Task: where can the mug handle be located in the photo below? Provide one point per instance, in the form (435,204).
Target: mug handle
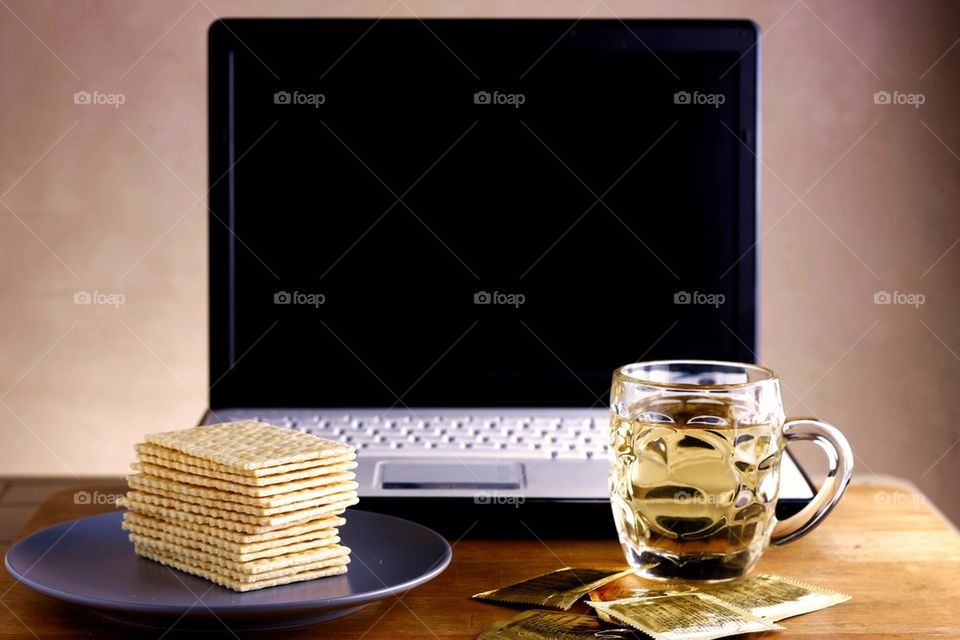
(840,457)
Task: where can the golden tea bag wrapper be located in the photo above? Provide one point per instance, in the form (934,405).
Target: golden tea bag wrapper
(765,596)
(775,598)
(537,624)
(685,616)
(559,589)
(633,586)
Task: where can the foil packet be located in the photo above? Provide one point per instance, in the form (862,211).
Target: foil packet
(560,589)
(683,616)
(765,596)
(537,624)
(774,597)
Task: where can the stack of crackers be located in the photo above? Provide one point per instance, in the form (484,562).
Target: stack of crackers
(246,505)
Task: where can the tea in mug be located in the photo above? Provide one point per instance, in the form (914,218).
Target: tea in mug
(694,484)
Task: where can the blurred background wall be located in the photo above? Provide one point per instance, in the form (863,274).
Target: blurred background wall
(860,196)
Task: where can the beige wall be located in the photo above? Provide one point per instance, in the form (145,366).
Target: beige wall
(110,200)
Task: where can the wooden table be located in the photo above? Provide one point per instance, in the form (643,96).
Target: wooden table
(884,545)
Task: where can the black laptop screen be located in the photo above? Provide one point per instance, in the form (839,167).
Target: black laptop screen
(454,214)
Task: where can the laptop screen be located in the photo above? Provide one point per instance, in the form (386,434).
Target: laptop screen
(481,213)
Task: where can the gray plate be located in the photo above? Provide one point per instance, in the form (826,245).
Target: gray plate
(91,563)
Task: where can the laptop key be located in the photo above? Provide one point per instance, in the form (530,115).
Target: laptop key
(571,455)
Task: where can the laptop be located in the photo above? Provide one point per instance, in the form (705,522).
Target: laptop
(436,239)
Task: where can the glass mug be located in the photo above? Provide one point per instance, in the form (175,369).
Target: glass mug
(695,467)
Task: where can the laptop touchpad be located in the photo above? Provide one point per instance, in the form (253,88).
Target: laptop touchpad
(469,475)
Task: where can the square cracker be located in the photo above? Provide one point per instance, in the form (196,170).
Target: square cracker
(232,551)
(147,536)
(211,572)
(249,444)
(234,502)
(167,508)
(234,539)
(329,466)
(333,477)
(253,474)
(265,566)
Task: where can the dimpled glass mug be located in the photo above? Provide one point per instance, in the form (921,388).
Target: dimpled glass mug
(695,467)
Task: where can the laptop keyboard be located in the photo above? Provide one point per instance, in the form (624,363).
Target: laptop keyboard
(501,437)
